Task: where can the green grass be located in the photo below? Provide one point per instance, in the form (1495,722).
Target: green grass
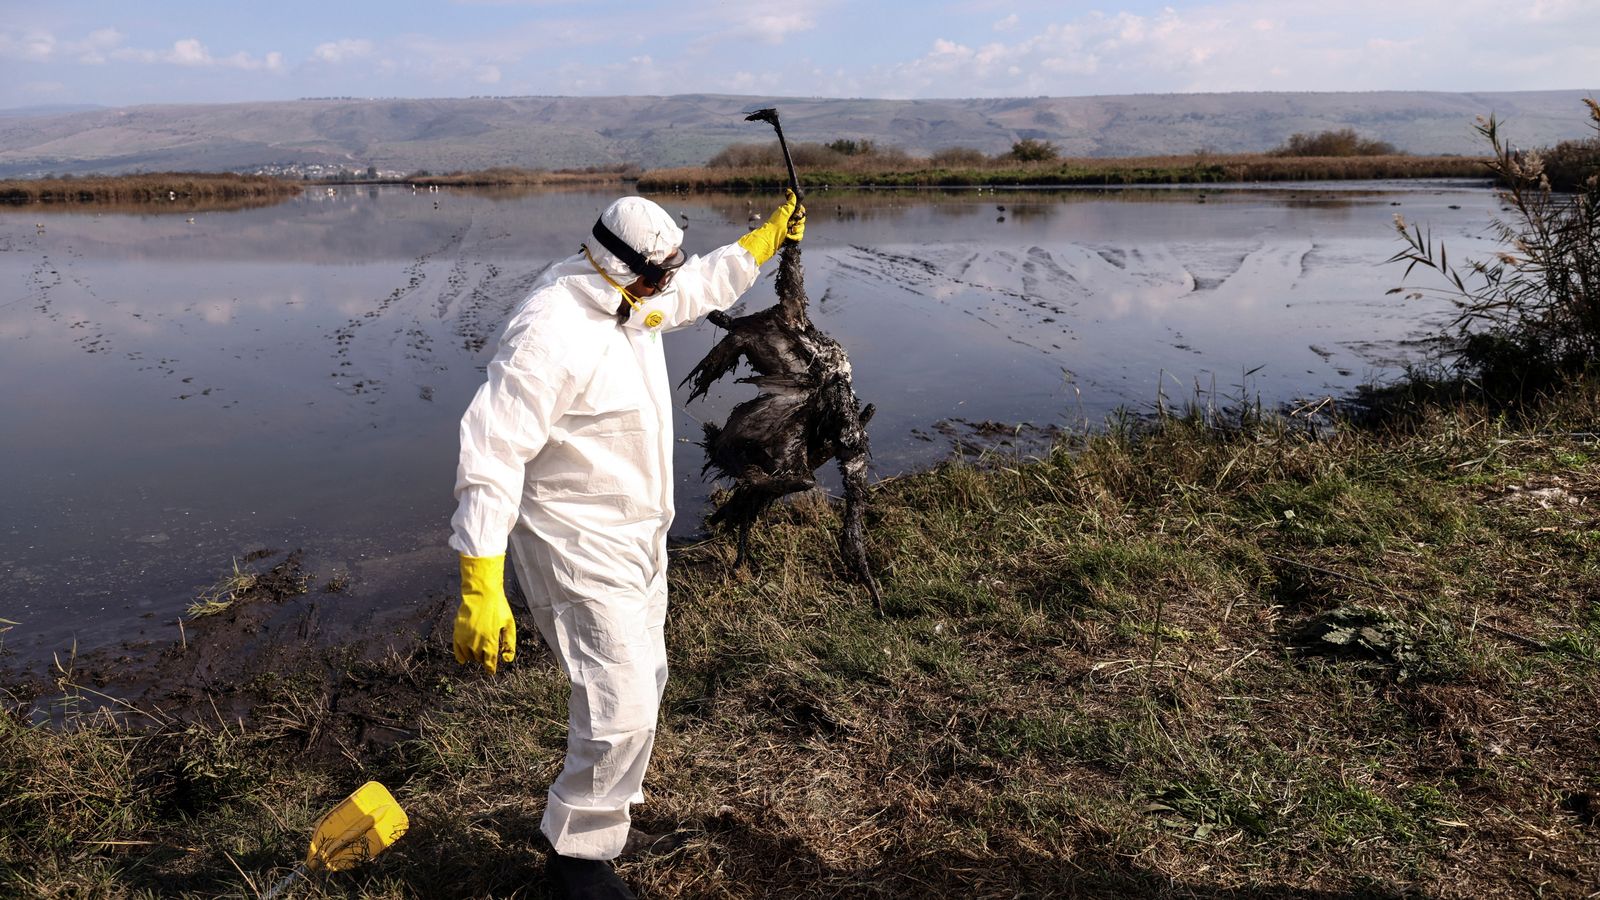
(1084,683)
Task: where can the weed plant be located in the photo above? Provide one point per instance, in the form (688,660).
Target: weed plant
(1530,316)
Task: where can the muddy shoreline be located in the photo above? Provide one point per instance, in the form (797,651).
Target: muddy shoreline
(371,654)
(284,640)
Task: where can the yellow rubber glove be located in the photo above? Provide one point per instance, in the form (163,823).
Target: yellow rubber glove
(485,631)
(788,221)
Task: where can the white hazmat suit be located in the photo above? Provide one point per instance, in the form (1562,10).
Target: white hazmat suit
(566,453)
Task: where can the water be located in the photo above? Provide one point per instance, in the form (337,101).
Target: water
(180,393)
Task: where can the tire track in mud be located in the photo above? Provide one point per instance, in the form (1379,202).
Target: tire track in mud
(49,275)
(94,339)
(485,309)
(1063,290)
(43,278)
(1037,306)
(472,301)
(344,336)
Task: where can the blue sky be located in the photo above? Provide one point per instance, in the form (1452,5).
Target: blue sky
(118,53)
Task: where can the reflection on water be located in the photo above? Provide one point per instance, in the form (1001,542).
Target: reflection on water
(179,393)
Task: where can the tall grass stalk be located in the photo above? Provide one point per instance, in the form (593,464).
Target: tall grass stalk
(1530,316)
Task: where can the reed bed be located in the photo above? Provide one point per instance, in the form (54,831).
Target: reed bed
(154,188)
(514,177)
(1190,169)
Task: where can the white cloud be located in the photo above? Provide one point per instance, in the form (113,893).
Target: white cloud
(342,50)
(191,53)
(1264,45)
(92,49)
(456,62)
(767,24)
(772,28)
(106,44)
(42,46)
(33,46)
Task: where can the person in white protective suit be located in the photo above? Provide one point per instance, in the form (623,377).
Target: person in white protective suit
(566,454)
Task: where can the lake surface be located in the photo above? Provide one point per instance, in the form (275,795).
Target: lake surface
(181,392)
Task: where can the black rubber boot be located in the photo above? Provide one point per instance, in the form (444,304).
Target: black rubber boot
(584,879)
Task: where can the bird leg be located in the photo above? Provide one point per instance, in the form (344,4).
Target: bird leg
(743,556)
(853,452)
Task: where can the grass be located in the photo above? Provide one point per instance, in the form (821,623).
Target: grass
(1087,684)
(220,597)
(244,586)
(1188,169)
(184,188)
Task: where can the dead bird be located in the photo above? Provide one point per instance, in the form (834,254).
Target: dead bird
(805,414)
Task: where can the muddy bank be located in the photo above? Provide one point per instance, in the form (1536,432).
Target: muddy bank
(358,662)
(365,653)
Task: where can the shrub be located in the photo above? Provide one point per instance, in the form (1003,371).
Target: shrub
(845,147)
(766,154)
(1032,150)
(1570,163)
(840,155)
(743,156)
(958,157)
(1340,142)
(1531,316)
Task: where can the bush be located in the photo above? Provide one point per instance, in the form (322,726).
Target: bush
(958,157)
(1531,317)
(1570,163)
(767,154)
(845,147)
(1341,142)
(1031,150)
(838,155)
(743,156)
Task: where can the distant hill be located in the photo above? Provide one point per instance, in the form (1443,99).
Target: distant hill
(47,110)
(556,132)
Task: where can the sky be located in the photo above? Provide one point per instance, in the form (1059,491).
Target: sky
(124,52)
